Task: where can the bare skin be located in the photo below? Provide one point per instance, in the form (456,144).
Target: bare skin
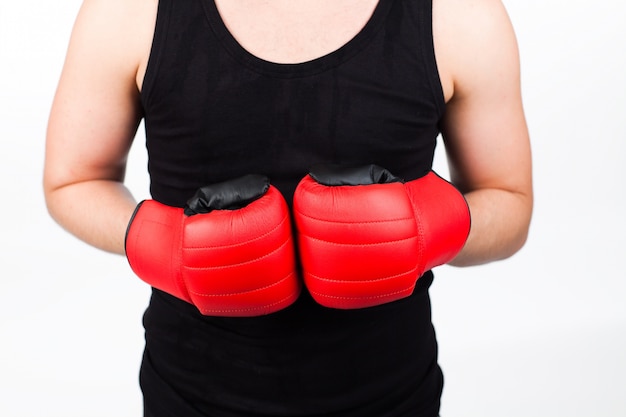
(95,113)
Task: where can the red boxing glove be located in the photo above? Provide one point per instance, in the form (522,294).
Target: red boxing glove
(230,252)
(365,237)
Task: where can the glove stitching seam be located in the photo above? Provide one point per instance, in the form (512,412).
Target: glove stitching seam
(363,297)
(388,277)
(384,242)
(263,307)
(234,245)
(352,222)
(290,274)
(209,268)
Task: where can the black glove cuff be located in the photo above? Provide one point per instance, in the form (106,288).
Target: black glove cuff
(228,195)
(337,175)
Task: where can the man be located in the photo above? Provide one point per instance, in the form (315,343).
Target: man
(239,87)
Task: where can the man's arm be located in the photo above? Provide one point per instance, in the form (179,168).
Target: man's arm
(93,120)
(484,128)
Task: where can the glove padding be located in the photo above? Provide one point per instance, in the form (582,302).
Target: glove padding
(229,252)
(365,237)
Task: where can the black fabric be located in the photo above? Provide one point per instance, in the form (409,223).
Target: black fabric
(215,112)
(306,360)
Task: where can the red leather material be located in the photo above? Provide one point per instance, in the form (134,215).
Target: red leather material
(152,247)
(226,262)
(365,245)
(444,218)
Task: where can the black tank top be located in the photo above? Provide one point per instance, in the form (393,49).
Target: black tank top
(212,112)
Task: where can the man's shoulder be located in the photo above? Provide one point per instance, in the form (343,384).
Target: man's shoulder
(116,34)
(472,39)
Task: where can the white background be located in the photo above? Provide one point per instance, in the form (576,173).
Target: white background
(541,334)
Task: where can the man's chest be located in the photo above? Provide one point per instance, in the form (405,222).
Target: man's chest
(294,31)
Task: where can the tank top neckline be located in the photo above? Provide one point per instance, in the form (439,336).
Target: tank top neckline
(299,69)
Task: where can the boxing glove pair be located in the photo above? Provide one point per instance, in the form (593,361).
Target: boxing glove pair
(364,238)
